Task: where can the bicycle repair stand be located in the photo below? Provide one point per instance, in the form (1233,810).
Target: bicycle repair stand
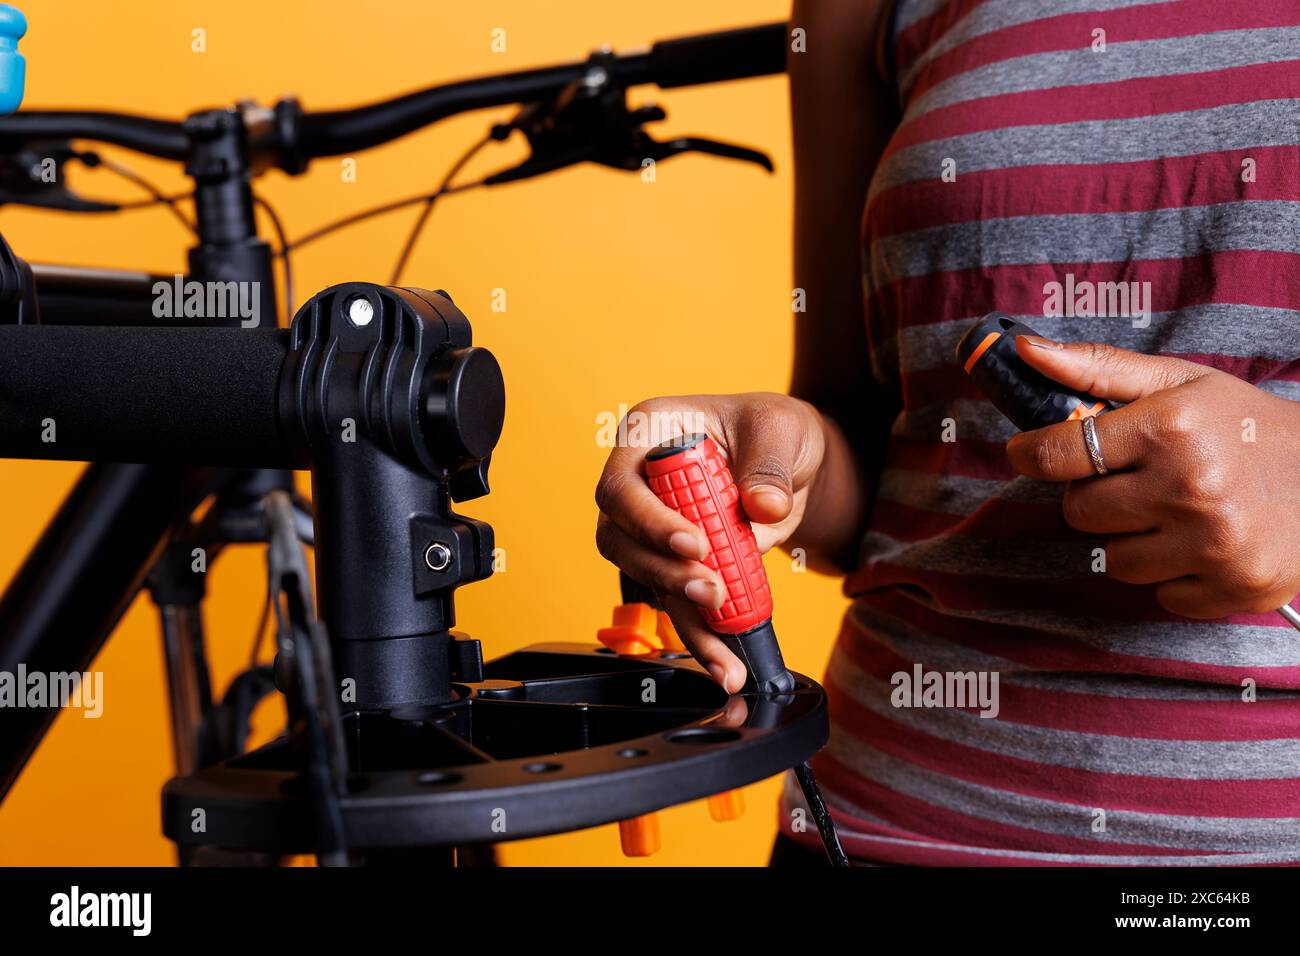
(402,743)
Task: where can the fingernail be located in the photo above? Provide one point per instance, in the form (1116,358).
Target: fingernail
(777,495)
(1038,342)
(704,592)
(687,545)
(719,674)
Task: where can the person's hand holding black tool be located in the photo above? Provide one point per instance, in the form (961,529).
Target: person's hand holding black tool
(1201,469)
(1185,478)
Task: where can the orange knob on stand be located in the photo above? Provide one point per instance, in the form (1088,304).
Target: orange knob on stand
(632,631)
(727,806)
(640,835)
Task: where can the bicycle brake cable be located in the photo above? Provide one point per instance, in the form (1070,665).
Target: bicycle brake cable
(283,252)
(93,160)
(423,218)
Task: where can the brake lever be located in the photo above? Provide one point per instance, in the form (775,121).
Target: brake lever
(27,180)
(712,147)
(590,121)
(629,160)
(538,166)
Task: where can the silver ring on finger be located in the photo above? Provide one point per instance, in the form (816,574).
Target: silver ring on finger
(1094,447)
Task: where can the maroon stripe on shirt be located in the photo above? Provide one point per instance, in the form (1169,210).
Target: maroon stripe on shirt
(943,383)
(968,458)
(1120,100)
(921,818)
(871,839)
(918,37)
(1267,798)
(1035,649)
(969,593)
(1073,31)
(1160,719)
(1252,368)
(996,519)
(1239,277)
(1203,179)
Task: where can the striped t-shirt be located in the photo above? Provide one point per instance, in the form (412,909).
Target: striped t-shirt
(1074,142)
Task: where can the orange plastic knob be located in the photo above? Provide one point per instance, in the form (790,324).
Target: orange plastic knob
(633,630)
(727,806)
(640,835)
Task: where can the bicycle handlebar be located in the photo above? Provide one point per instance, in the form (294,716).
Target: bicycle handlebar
(144,134)
(336,132)
(684,61)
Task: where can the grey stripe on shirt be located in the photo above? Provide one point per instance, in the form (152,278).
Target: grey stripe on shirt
(1141,139)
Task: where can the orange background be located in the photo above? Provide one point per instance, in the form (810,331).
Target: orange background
(617,290)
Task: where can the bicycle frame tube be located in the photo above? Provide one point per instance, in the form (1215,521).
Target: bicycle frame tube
(83,573)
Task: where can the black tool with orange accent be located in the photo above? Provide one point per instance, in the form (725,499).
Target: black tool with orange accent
(987,353)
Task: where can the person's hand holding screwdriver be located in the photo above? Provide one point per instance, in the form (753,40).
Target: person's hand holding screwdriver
(777,447)
(1202,480)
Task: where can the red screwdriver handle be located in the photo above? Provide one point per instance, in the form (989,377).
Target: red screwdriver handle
(693,479)
(690,475)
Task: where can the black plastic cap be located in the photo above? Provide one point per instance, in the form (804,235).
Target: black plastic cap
(995,323)
(674,445)
(761,655)
(987,352)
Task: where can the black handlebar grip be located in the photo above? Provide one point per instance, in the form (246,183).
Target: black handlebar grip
(987,353)
(198,396)
(714,57)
